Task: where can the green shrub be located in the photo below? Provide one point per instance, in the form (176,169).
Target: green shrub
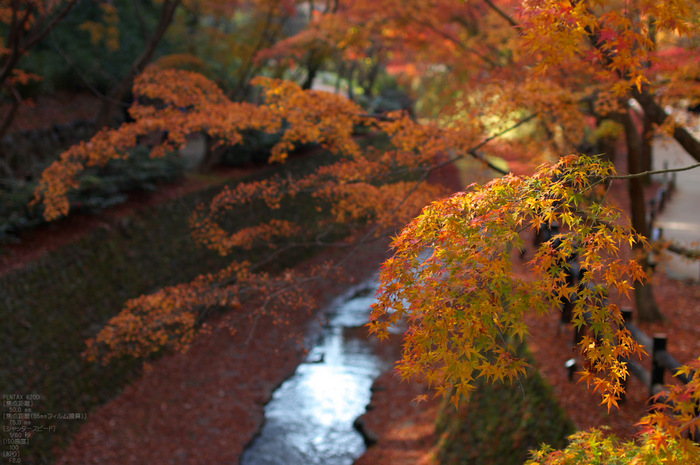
(69,59)
(502,423)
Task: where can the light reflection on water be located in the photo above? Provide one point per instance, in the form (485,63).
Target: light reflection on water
(309,419)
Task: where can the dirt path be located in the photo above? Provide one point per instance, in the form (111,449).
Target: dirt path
(680,219)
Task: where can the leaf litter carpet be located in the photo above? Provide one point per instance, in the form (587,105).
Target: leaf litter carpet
(205,406)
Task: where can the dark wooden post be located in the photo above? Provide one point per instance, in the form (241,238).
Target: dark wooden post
(657,369)
(651,214)
(626,315)
(662,197)
(571,368)
(566,308)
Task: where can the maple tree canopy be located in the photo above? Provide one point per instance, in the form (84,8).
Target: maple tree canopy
(485,68)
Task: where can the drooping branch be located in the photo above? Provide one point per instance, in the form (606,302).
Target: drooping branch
(456,291)
(503,14)
(474,151)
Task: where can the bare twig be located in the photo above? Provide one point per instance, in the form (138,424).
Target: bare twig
(502,14)
(474,150)
(652,172)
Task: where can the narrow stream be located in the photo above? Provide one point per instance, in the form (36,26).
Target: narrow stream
(310,417)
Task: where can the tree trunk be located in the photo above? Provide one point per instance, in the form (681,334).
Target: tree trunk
(312,67)
(212,155)
(351,91)
(368,85)
(647,308)
(340,72)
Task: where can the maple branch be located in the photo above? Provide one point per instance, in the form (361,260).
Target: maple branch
(652,172)
(320,243)
(457,42)
(140,19)
(375,228)
(203,311)
(122,87)
(473,151)
(35,33)
(502,14)
(249,68)
(504,131)
(9,61)
(39,35)
(652,109)
(10,116)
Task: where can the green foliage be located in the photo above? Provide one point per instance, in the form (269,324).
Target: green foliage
(71,54)
(502,423)
(608,130)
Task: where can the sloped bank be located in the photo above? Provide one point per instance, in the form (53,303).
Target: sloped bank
(51,305)
(499,426)
(206,406)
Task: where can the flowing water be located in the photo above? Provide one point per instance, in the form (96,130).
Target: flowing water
(310,418)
